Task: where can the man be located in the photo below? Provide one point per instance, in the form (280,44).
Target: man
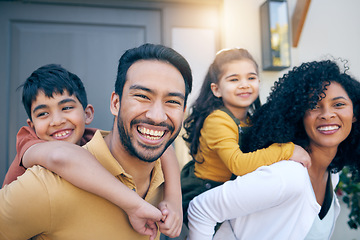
(148,104)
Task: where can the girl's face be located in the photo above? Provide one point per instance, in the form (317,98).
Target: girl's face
(238,86)
(330,122)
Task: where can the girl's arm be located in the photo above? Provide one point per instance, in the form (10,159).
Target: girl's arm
(222,138)
(80,167)
(171,207)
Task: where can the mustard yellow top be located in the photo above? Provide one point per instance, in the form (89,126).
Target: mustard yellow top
(43,204)
(221,156)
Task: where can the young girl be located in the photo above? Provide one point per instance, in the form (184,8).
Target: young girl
(317,107)
(221,113)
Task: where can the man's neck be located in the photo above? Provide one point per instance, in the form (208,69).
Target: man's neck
(138,169)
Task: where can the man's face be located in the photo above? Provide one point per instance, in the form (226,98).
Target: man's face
(152,108)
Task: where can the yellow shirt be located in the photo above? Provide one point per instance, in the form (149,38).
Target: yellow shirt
(221,156)
(43,204)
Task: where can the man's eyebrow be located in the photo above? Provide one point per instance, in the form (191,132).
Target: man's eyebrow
(139,87)
(177,94)
(172,94)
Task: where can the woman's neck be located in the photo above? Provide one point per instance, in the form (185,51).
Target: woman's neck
(318,172)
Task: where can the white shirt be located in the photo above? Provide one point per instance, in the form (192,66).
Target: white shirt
(273,202)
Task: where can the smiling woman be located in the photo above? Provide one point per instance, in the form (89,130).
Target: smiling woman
(317,107)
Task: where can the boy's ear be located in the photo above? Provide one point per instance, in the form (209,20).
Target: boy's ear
(30,123)
(89,114)
(215,90)
(114,104)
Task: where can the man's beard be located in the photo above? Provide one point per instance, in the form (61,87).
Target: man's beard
(144,155)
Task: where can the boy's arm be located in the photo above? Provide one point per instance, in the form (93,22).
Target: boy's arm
(25,138)
(80,167)
(171,207)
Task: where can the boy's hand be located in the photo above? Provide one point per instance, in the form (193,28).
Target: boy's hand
(171,223)
(302,156)
(143,219)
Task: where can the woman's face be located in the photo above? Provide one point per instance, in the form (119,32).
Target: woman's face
(330,122)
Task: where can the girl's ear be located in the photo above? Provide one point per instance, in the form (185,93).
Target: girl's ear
(114,104)
(89,114)
(30,123)
(215,90)
(354,119)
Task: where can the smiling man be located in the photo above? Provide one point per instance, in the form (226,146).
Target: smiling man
(148,104)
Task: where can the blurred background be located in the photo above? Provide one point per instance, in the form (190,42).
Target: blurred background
(87,37)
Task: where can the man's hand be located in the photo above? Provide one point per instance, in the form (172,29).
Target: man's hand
(172,220)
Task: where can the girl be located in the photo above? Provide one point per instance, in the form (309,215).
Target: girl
(221,113)
(317,107)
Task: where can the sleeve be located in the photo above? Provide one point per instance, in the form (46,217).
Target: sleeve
(25,138)
(262,189)
(24,207)
(223,137)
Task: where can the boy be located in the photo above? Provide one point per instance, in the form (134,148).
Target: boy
(56,103)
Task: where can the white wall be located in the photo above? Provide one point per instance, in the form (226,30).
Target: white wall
(331,28)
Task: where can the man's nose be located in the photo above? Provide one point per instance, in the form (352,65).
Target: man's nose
(157,112)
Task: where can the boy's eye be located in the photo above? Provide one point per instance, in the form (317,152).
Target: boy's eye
(67,108)
(233,80)
(42,114)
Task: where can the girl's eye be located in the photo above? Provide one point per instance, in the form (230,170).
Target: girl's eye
(233,80)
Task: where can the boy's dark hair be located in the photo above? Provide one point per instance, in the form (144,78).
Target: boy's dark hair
(152,52)
(50,79)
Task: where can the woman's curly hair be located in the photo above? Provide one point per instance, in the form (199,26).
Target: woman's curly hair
(206,102)
(280,119)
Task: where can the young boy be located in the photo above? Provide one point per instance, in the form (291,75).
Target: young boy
(56,103)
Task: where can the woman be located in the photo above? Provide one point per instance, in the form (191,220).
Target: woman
(317,107)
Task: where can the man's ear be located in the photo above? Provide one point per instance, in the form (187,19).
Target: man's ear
(354,119)
(115,104)
(215,90)
(89,114)
(30,123)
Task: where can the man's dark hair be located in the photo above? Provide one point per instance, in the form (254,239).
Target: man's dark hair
(152,52)
(50,79)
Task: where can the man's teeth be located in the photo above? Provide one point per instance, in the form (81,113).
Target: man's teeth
(151,134)
(61,134)
(328,128)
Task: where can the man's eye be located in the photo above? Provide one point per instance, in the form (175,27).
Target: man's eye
(174,102)
(141,96)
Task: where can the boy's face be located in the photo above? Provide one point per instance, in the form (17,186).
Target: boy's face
(60,117)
